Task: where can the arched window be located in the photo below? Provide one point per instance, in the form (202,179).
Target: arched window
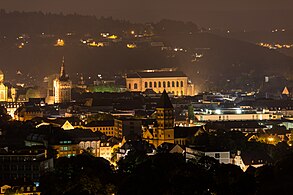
(164,84)
(177,84)
(168,84)
(150,84)
(181,83)
(155,84)
(173,84)
(146,84)
(160,84)
(129,86)
(135,85)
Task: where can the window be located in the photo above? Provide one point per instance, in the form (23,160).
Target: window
(173,84)
(135,85)
(129,86)
(217,155)
(159,83)
(164,84)
(177,84)
(155,84)
(146,84)
(168,84)
(181,83)
(151,84)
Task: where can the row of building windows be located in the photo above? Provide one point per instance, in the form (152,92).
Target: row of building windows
(159,84)
(103,128)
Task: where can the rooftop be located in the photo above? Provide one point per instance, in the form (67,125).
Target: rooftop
(156,74)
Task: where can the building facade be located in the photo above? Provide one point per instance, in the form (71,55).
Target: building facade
(24,164)
(62,86)
(163,132)
(7,94)
(174,82)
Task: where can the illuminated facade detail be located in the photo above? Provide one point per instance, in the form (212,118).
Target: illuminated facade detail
(164,131)
(175,82)
(285,91)
(62,87)
(234,115)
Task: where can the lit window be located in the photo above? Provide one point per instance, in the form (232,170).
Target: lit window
(135,85)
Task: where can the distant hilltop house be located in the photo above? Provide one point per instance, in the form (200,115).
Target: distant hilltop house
(175,82)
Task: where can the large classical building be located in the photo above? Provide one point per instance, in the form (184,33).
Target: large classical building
(62,86)
(7,93)
(175,82)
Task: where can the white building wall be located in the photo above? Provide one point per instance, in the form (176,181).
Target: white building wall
(232,117)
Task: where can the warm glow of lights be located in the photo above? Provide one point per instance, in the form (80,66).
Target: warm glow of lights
(132,32)
(276,46)
(112,37)
(94,44)
(131,46)
(59,43)
(271,139)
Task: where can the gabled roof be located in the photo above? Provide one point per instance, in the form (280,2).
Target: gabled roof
(185,132)
(165,101)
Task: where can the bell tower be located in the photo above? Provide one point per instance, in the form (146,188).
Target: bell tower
(165,119)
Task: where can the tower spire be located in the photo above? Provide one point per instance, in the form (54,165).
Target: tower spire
(62,71)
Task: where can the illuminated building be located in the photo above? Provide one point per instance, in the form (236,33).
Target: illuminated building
(6,93)
(62,86)
(164,130)
(106,127)
(175,82)
(233,115)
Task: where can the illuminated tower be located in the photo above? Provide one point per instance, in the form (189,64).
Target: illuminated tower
(165,119)
(3,89)
(62,86)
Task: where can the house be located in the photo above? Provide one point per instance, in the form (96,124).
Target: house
(128,127)
(254,158)
(25,113)
(105,127)
(139,146)
(170,148)
(24,189)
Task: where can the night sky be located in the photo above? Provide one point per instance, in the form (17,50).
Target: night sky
(217,13)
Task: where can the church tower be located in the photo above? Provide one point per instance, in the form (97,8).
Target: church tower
(3,88)
(165,119)
(62,86)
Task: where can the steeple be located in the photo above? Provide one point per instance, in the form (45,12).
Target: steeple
(165,101)
(63,75)
(165,112)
